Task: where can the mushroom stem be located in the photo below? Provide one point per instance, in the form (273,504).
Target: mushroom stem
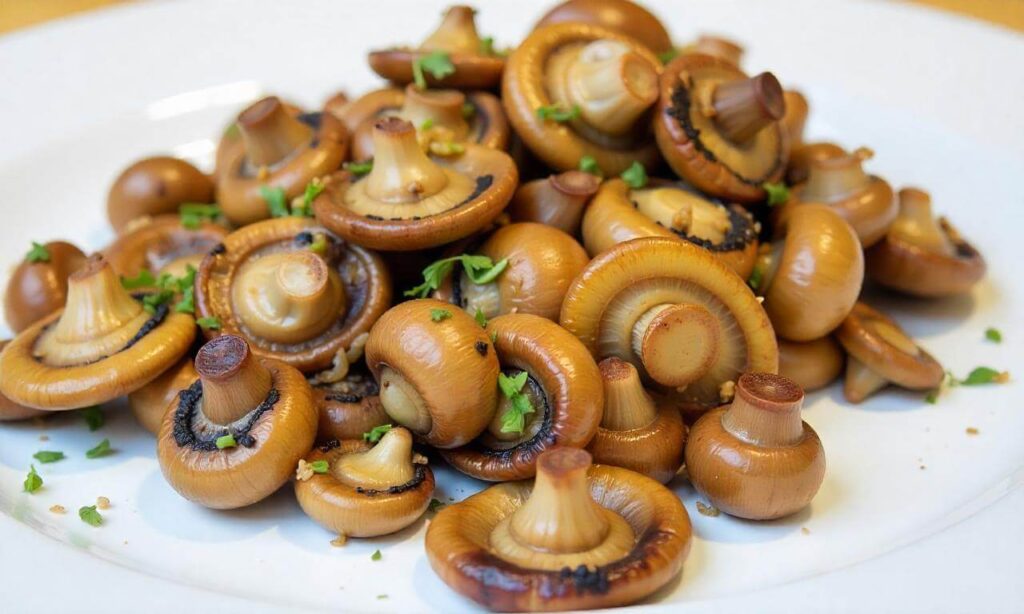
(97,304)
(403,402)
(387,464)
(766,411)
(861,382)
(401,173)
(442,108)
(612,85)
(556,201)
(744,106)
(916,225)
(456,33)
(832,179)
(627,405)
(676,344)
(719,47)
(234,382)
(270,133)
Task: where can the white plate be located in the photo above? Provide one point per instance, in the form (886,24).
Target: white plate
(936,97)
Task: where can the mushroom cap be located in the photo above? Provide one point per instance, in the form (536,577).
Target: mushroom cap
(571,385)
(692,144)
(878,342)
(348,408)
(162,243)
(655,451)
(242,475)
(613,217)
(37,289)
(623,16)
(803,154)
(154,186)
(811,364)
(562,145)
(557,200)
(459,551)
(366,283)
(795,117)
(450,364)
(9,410)
(149,403)
(717,46)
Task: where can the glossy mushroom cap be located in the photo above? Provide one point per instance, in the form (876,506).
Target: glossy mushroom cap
(717,46)
(162,245)
(348,407)
(756,458)
(155,186)
(811,364)
(881,353)
(149,403)
(9,410)
(37,289)
(578,537)
(623,16)
(924,256)
(795,117)
(556,201)
(802,155)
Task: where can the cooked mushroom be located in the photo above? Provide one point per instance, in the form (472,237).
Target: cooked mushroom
(717,47)
(719,129)
(578,537)
(149,403)
(556,201)
(39,284)
(435,366)
(231,145)
(573,90)
(236,434)
(881,353)
(9,410)
(811,274)
(337,105)
(756,458)
(163,245)
(666,209)
(795,117)
(802,155)
(674,311)
(293,290)
(364,490)
(923,256)
(155,186)
(280,151)
(811,364)
(102,345)
(471,63)
(551,396)
(623,16)
(636,432)
(410,200)
(348,407)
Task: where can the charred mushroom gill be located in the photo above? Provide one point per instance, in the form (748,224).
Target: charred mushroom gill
(557,201)
(636,432)
(9,410)
(756,458)
(562,387)
(235,435)
(366,490)
(924,256)
(155,186)
(149,403)
(665,209)
(102,345)
(476,66)
(348,407)
(680,316)
(39,284)
(623,16)
(605,81)
(811,364)
(163,245)
(412,201)
(881,353)
(578,537)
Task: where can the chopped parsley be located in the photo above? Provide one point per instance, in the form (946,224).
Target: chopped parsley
(319,466)
(778,193)
(479,269)
(427,124)
(305,208)
(32,481)
(376,556)
(993,335)
(437,64)
(277,201)
(210,323)
(468,110)
(557,113)
(480,318)
(985,375)
(48,456)
(668,56)
(374,434)
(588,164)
(487,46)
(151,301)
(90,516)
(756,279)
(226,441)
(359,168)
(438,315)
(514,419)
(93,418)
(144,279)
(38,253)
(635,176)
(100,450)
(319,244)
(194,214)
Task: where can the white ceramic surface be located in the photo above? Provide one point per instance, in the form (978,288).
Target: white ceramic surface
(936,97)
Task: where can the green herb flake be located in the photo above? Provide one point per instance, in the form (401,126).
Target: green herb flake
(226,441)
(359,168)
(514,419)
(305,209)
(933,396)
(210,323)
(480,318)
(38,253)
(438,315)
(32,481)
(778,193)
(376,556)
(144,279)
(276,201)
(435,506)
(90,516)
(427,124)
(382,596)
(487,45)
(151,301)
(635,176)
(187,303)
(319,466)
(668,56)
(374,434)
(985,375)
(993,335)
(437,64)
(588,164)
(319,244)
(756,279)
(558,113)
(468,110)
(48,456)
(93,417)
(480,270)
(100,450)
(194,214)
(232,131)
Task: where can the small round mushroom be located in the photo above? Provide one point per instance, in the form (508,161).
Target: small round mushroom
(811,274)
(556,201)
(366,490)
(881,353)
(811,364)
(666,209)
(719,129)
(9,410)
(673,310)
(802,155)
(756,458)
(163,245)
(102,345)
(280,150)
(39,284)
(578,537)
(435,366)
(636,432)
(348,407)
(412,201)
(603,81)
(623,16)
(923,256)
(155,186)
(149,403)
(476,65)
(236,434)
(562,386)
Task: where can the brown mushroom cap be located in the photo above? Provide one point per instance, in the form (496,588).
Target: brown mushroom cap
(410,201)
(796,117)
(623,16)
(149,403)
(880,352)
(349,407)
(923,256)
(162,245)
(666,209)
(718,47)
(801,156)
(37,289)
(676,312)
(811,364)
(9,410)
(280,151)
(102,345)
(557,200)
(437,378)
(265,405)
(564,388)
(155,186)
(609,76)
(290,303)
(719,129)
(578,537)
(337,105)
(756,458)
(368,490)
(456,36)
